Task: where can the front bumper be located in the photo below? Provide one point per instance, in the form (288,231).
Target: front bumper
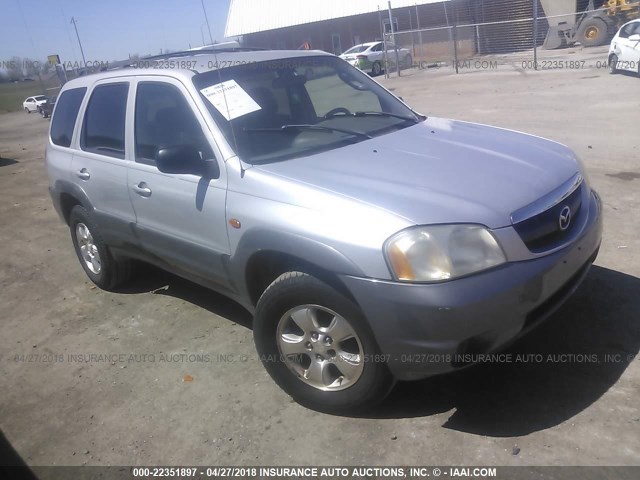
(425,330)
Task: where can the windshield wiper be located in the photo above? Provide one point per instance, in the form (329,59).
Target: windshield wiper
(384,114)
(320,128)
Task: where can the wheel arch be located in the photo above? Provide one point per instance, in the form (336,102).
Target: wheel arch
(68,196)
(262,256)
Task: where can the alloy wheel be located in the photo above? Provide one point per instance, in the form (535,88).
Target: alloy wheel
(320,347)
(88,249)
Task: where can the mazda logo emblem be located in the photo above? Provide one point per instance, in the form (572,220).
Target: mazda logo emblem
(565,218)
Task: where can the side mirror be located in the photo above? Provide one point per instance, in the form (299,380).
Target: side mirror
(185,159)
(635,37)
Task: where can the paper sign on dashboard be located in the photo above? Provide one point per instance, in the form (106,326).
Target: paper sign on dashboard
(230,99)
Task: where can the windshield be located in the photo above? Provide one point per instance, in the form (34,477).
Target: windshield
(41,97)
(356,49)
(295,107)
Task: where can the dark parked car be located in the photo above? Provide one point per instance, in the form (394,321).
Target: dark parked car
(46,109)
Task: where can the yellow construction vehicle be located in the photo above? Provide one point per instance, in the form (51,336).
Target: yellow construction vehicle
(589,22)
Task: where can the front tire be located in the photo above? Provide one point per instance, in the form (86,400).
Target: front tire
(593,32)
(94,254)
(317,346)
(27,110)
(613,64)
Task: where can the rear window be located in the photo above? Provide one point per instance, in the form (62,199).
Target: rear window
(64,120)
(104,121)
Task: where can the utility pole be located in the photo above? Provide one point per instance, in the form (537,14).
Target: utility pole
(419,31)
(207,20)
(393,36)
(452,37)
(535,34)
(84,62)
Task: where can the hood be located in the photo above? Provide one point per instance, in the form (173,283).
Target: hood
(440,171)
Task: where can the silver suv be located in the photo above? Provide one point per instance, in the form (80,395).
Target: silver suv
(371,243)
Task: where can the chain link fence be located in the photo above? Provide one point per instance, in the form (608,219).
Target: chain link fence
(486,45)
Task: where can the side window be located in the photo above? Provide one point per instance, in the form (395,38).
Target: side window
(627,31)
(64,120)
(164,118)
(104,120)
(377,48)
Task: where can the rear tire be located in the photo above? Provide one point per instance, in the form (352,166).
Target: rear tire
(323,373)
(94,254)
(593,32)
(27,110)
(376,69)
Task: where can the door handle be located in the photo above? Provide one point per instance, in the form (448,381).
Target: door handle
(83,174)
(142,189)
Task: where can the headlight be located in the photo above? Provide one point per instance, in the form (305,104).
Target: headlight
(441,252)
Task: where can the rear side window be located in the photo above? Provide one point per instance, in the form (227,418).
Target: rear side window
(64,120)
(104,121)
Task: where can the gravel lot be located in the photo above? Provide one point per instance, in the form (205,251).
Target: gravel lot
(188,388)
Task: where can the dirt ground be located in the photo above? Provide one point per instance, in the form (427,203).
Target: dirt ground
(174,378)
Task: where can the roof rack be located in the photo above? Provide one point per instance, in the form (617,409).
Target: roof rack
(191,53)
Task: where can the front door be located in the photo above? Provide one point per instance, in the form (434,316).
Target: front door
(631,48)
(180,217)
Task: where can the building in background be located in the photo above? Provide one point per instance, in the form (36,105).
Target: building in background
(337,25)
(330,25)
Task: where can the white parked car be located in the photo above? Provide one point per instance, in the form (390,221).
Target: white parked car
(624,52)
(32,104)
(369,57)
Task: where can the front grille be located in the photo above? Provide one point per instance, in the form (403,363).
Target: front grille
(542,232)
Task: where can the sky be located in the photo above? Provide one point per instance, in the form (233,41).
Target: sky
(109,29)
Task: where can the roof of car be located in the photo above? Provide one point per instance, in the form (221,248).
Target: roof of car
(184,65)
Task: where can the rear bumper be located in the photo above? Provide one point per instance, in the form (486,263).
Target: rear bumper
(425,330)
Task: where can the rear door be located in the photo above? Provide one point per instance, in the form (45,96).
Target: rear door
(180,217)
(99,164)
(377,53)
